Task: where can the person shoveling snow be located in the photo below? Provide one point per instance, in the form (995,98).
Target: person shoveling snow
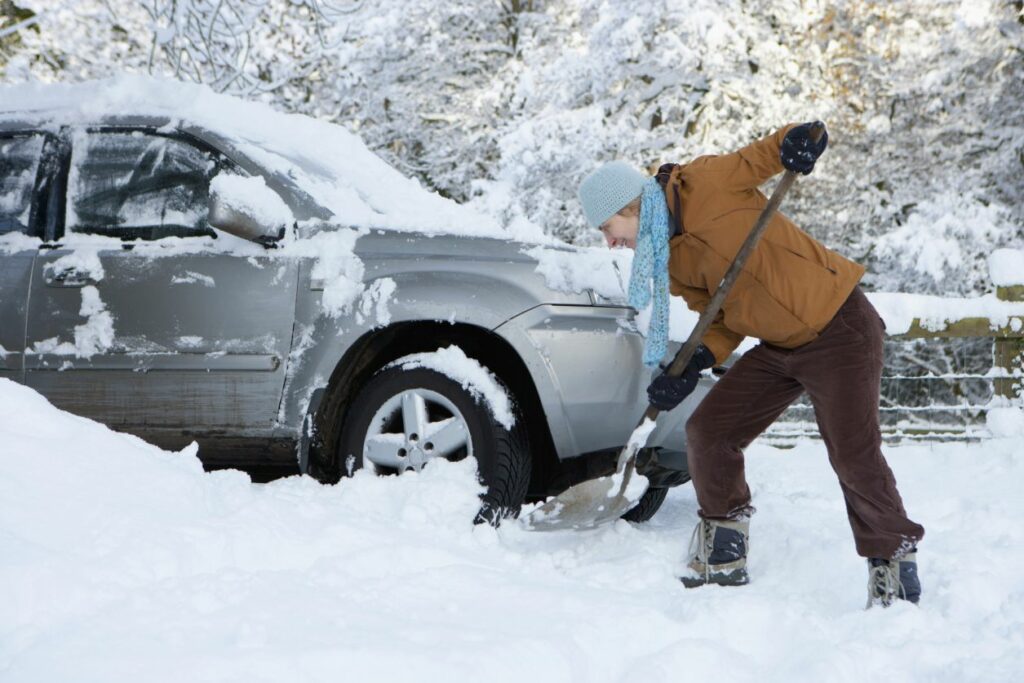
(818,331)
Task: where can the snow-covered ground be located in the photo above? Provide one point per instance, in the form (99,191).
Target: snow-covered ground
(121,562)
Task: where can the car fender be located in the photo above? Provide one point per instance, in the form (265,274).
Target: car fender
(391,296)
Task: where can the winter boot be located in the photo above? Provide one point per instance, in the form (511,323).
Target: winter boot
(891,580)
(718,554)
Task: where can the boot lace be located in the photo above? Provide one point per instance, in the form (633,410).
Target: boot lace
(701,545)
(884,583)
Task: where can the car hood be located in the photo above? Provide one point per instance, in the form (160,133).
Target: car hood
(577,274)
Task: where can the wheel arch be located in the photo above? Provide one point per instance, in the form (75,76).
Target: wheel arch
(378,347)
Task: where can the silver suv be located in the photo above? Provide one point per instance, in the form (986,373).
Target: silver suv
(126,296)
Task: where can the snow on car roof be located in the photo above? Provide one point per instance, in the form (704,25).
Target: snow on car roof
(333,165)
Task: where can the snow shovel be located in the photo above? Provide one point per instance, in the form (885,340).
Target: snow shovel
(605,499)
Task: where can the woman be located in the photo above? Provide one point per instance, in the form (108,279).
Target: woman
(818,331)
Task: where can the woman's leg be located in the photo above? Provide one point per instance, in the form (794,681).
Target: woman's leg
(741,405)
(841,371)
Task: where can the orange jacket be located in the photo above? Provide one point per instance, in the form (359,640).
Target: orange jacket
(791,285)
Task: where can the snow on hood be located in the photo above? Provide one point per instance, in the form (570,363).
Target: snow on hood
(333,165)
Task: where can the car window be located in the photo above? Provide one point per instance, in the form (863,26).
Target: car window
(19,159)
(137,185)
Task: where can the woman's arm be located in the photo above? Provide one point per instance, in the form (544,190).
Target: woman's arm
(719,339)
(746,168)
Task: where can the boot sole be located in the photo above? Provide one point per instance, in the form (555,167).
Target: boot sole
(736,577)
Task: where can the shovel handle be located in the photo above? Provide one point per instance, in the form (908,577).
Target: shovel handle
(683,356)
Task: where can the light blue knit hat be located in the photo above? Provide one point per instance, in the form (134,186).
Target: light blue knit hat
(609,188)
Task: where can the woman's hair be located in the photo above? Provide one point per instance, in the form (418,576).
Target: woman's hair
(631,209)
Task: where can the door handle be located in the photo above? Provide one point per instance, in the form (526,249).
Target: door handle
(69,277)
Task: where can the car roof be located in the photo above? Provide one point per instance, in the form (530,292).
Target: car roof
(327,162)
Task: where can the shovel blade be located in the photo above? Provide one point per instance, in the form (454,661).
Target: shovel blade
(590,503)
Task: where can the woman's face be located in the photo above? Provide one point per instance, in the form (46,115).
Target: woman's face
(620,231)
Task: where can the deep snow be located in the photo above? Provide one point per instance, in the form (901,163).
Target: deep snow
(121,562)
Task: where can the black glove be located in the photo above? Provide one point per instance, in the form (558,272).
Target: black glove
(798,152)
(665,392)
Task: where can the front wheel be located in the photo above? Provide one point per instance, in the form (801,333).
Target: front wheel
(402,419)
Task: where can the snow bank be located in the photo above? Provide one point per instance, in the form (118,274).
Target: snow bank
(122,562)
(326,160)
(452,362)
(98,529)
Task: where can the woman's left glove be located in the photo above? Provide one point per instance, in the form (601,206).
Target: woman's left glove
(665,392)
(799,152)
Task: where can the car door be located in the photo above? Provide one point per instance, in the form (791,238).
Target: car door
(143,317)
(19,214)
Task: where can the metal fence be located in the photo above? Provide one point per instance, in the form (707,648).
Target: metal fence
(986,373)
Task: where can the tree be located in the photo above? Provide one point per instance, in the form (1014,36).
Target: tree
(238,45)
(13,20)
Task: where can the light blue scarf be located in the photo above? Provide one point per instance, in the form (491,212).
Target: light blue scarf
(650,269)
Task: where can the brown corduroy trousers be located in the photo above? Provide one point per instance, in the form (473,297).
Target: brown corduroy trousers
(841,371)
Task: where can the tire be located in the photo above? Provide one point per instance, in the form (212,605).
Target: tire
(502,455)
(645,508)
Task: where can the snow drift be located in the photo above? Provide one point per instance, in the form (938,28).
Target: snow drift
(122,562)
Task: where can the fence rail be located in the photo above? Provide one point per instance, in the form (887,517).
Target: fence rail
(1006,377)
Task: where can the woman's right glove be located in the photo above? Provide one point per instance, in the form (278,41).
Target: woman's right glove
(799,152)
(665,392)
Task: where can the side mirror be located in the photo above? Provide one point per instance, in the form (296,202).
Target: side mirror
(247,208)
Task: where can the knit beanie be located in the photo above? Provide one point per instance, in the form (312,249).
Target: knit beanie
(609,188)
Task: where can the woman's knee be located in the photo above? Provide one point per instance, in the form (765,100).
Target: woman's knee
(699,433)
